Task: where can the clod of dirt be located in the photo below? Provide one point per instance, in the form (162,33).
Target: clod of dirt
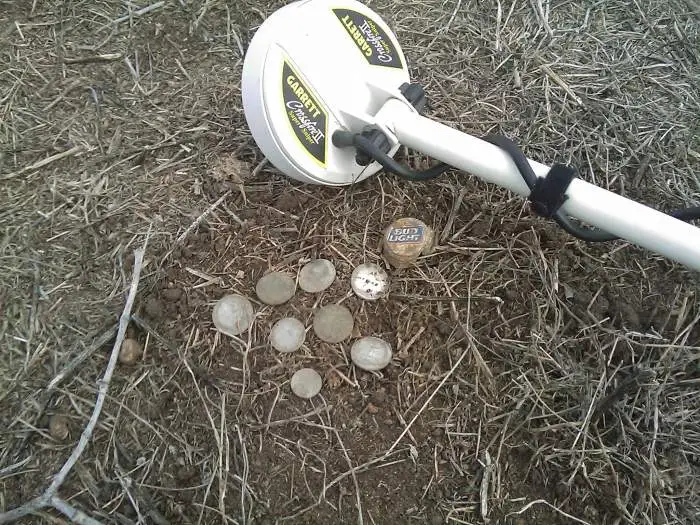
(480,228)
(154,308)
(510,294)
(628,316)
(444,329)
(233,314)
(290,201)
(275,288)
(172,294)
(306,383)
(436,519)
(333,323)
(287,335)
(130,352)
(230,168)
(186,472)
(316,276)
(379,397)
(58,427)
(371,353)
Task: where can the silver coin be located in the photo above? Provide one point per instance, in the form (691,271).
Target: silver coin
(275,288)
(371,353)
(370,282)
(233,314)
(306,383)
(333,323)
(316,276)
(287,335)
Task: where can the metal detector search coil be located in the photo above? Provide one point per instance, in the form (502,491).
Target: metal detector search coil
(312,68)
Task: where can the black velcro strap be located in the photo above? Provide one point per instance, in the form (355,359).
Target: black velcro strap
(549,192)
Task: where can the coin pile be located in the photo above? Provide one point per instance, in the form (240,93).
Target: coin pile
(234,314)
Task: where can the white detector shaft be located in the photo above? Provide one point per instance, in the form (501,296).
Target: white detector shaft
(315,68)
(596,206)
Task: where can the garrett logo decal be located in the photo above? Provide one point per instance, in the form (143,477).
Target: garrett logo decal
(370,39)
(406,235)
(308,119)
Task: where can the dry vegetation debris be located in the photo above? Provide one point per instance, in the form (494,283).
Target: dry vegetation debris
(537,379)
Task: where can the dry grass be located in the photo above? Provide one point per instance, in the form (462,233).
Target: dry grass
(552,380)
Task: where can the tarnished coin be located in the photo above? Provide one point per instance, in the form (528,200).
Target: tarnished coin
(371,353)
(233,314)
(316,276)
(275,288)
(333,323)
(306,383)
(287,335)
(370,282)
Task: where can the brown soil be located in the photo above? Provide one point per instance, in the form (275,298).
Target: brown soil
(578,364)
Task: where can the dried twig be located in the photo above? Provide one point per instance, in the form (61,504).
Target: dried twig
(427,401)
(139,12)
(49,498)
(202,216)
(544,502)
(485,480)
(75,150)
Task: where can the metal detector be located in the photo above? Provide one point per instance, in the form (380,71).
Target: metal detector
(328,99)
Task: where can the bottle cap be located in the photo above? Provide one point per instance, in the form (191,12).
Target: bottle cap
(405,240)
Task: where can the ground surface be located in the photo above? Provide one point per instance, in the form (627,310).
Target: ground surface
(565,373)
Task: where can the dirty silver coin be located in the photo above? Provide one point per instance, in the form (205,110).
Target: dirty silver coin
(233,314)
(275,288)
(306,383)
(287,335)
(370,282)
(333,323)
(371,353)
(316,276)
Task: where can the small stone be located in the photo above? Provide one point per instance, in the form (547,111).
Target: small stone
(287,335)
(186,472)
(317,276)
(172,294)
(306,383)
(233,315)
(275,288)
(130,352)
(333,323)
(58,427)
(372,409)
(154,308)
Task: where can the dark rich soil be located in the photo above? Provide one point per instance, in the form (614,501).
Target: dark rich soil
(569,368)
